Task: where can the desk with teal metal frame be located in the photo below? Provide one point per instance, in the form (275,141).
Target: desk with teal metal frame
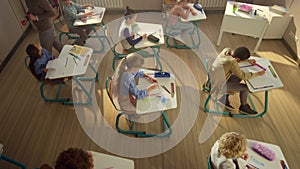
(74,61)
(270,80)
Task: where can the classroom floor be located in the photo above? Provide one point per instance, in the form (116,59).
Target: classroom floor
(34,132)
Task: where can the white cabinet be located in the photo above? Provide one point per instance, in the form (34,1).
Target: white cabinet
(277,25)
(265,25)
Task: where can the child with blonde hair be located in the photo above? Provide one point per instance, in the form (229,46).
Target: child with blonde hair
(124,86)
(230,152)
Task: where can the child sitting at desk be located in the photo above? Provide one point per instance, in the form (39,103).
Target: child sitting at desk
(177,12)
(230,152)
(127,35)
(39,58)
(124,86)
(226,75)
(72,12)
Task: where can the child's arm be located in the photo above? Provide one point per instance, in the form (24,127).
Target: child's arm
(130,39)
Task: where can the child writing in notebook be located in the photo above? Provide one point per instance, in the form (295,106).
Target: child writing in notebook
(178,11)
(226,75)
(124,86)
(127,35)
(230,152)
(72,12)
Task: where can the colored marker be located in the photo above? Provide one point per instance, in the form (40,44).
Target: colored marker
(164,87)
(283,165)
(173,89)
(260,67)
(66,62)
(75,61)
(272,71)
(75,56)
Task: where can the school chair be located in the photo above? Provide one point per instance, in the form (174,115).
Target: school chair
(63,30)
(209,163)
(14,162)
(206,87)
(47,82)
(119,52)
(131,130)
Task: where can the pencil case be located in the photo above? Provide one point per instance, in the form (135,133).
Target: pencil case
(161,74)
(153,38)
(198,7)
(263,151)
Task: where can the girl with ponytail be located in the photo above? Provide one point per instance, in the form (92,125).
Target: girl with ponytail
(124,86)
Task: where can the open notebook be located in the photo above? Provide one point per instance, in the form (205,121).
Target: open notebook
(259,81)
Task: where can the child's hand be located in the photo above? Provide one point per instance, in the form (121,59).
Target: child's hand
(261,73)
(245,156)
(144,36)
(88,14)
(45,70)
(152,87)
(252,61)
(194,13)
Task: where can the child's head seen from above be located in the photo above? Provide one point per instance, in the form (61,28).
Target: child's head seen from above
(232,145)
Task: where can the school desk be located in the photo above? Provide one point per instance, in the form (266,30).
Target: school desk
(155,30)
(98,14)
(159,100)
(270,80)
(96,19)
(104,161)
(265,25)
(73,61)
(260,162)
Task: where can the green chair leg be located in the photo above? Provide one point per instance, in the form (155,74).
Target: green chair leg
(16,163)
(57,98)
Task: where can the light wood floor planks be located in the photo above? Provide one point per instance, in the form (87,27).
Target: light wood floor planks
(34,132)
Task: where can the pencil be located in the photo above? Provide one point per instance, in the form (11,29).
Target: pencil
(164,87)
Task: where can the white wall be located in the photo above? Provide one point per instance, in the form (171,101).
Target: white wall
(11,12)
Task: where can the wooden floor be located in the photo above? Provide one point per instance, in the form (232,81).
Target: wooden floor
(34,132)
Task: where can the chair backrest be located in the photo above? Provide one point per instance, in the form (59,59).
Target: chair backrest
(27,62)
(209,163)
(109,91)
(117,49)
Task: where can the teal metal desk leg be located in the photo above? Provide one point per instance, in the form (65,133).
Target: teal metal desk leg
(156,55)
(101,38)
(216,111)
(2,157)
(88,93)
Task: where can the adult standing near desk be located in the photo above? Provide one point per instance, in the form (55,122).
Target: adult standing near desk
(40,12)
(72,12)
(226,74)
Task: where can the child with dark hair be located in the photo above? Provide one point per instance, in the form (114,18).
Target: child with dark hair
(226,75)
(75,158)
(39,58)
(126,33)
(125,30)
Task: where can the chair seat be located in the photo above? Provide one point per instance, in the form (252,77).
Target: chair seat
(65,28)
(119,49)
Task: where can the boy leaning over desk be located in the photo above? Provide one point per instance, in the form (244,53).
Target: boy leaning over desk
(226,75)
